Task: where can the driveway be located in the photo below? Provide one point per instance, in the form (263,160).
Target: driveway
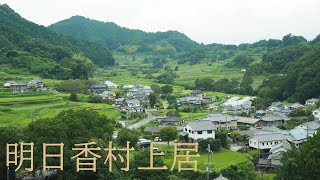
(235,147)
(143,122)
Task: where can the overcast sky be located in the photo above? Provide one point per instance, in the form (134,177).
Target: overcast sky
(205,21)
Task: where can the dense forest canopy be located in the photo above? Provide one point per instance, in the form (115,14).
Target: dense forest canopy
(40,50)
(114,36)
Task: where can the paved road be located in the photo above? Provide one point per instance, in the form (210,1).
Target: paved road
(235,147)
(143,122)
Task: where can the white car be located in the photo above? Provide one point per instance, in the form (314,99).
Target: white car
(157,139)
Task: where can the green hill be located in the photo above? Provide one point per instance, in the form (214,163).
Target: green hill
(24,44)
(116,37)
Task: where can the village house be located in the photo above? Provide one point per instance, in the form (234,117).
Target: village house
(275,155)
(297,136)
(119,101)
(152,130)
(139,92)
(111,85)
(108,95)
(196,97)
(18,87)
(276,152)
(140,96)
(194,131)
(248,121)
(311,102)
(265,141)
(235,105)
(222,121)
(134,89)
(220,177)
(8,84)
(271,119)
(296,106)
(196,93)
(38,84)
(272,135)
(172,120)
(132,105)
(196,100)
(316,114)
(98,88)
(260,113)
(277,106)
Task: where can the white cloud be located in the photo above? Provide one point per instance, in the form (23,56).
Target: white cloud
(208,21)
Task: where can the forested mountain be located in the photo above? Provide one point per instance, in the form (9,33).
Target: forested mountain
(27,45)
(132,41)
(299,64)
(124,39)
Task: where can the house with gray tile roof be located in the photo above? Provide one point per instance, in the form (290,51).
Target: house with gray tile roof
(272,119)
(196,93)
(153,130)
(276,152)
(222,121)
(132,105)
(220,178)
(275,155)
(172,119)
(267,140)
(296,106)
(8,84)
(311,102)
(197,130)
(316,114)
(197,100)
(98,88)
(19,87)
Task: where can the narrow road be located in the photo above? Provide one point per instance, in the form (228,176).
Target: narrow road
(143,122)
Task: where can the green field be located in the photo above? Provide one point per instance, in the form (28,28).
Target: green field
(219,160)
(187,73)
(20,111)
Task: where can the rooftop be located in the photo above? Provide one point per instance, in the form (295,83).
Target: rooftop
(171,119)
(246,120)
(201,125)
(270,137)
(219,118)
(284,146)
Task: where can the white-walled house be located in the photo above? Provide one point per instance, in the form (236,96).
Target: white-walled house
(267,140)
(316,114)
(197,130)
(111,85)
(132,102)
(311,101)
(132,105)
(8,84)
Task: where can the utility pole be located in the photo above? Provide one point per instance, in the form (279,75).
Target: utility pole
(227,123)
(8,173)
(209,163)
(307,129)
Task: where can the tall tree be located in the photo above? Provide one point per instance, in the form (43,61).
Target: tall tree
(303,162)
(168,134)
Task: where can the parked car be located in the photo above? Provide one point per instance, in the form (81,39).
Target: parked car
(157,139)
(145,144)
